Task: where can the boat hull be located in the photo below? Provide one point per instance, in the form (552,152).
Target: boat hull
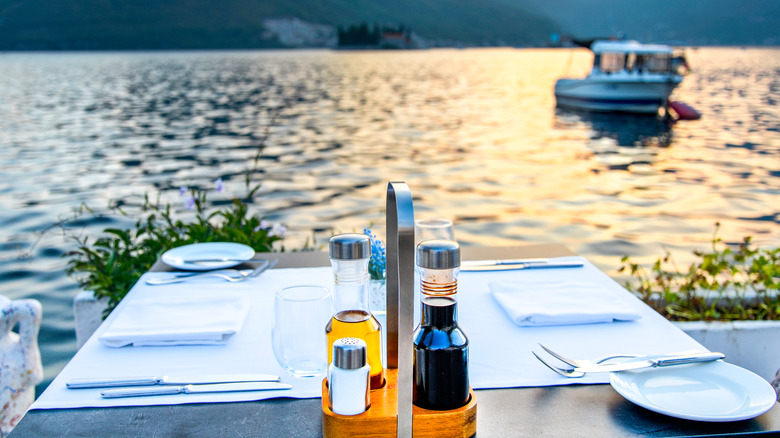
(634,95)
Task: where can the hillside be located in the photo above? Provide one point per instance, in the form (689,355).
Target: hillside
(689,22)
(212,24)
(218,24)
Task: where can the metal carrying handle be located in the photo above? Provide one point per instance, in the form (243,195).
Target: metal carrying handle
(400,297)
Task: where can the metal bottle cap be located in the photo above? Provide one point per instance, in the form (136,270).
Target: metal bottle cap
(350,246)
(349,353)
(438,254)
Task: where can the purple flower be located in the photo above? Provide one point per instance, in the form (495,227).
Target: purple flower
(278,230)
(189,202)
(219,185)
(183,190)
(264,225)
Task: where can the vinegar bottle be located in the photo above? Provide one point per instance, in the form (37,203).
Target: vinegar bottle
(349,255)
(441,349)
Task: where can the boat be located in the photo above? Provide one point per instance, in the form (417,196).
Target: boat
(627,76)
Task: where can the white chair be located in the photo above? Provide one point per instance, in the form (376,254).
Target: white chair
(20,358)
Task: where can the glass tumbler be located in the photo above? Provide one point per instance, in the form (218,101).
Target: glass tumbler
(298,334)
(433,229)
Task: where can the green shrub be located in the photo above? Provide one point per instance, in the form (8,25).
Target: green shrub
(111,264)
(724,284)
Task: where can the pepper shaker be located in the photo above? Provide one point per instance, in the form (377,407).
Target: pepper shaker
(348,377)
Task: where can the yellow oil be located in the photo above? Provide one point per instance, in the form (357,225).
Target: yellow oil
(359,324)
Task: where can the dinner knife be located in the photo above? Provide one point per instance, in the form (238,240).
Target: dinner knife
(509,265)
(194,389)
(186,276)
(503,262)
(167,380)
(651,362)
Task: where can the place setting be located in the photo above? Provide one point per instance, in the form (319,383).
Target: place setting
(191,315)
(211,260)
(691,385)
(676,380)
(188,336)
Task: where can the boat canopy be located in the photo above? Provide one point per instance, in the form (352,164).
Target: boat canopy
(607,46)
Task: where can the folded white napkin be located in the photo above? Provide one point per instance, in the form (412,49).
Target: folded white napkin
(560,303)
(178,317)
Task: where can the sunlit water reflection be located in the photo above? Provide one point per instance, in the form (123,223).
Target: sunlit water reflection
(474,133)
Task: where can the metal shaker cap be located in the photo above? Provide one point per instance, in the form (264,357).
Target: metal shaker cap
(438,254)
(350,246)
(349,353)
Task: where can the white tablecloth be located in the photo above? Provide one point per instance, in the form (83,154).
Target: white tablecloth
(500,351)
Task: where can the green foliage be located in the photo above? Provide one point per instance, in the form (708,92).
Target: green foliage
(358,35)
(724,284)
(368,35)
(111,264)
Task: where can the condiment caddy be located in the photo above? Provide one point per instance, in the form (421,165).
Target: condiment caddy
(424,393)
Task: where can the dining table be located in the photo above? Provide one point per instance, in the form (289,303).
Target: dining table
(593,410)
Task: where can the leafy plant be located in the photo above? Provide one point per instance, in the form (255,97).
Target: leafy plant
(111,264)
(724,284)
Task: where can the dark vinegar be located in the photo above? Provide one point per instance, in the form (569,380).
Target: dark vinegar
(441,356)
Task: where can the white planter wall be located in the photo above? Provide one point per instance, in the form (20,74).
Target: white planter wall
(88,315)
(754,345)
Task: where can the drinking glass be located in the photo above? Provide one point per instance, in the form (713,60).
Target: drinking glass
(435,228)
(298,335)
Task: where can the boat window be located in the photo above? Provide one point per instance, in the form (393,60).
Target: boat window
(641,63)
(658,63)
(612,62)
(630,62)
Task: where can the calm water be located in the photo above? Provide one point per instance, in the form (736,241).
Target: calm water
(473,132)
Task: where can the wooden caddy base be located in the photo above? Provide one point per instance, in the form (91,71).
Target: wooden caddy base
(380,419)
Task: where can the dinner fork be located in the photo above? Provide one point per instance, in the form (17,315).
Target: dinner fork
(226,275)
(583,362)
(579,363)
(571,373)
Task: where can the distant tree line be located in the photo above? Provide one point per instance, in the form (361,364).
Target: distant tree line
(364,34)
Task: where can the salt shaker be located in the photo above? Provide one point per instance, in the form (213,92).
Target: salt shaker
(348,377)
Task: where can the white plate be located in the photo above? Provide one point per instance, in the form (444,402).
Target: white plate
(712,391)
(235,252)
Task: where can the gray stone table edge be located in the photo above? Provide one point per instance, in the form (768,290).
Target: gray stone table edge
(575,410)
